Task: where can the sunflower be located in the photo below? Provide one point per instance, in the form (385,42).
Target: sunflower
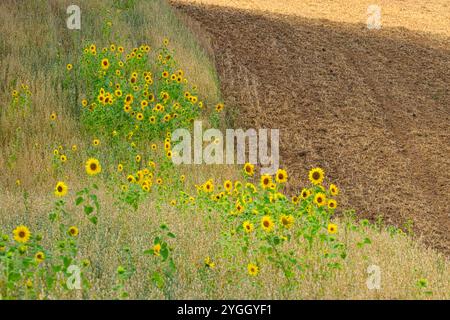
(332,228)
(228,185)
(287,221)
(139,116)
(105,64)
(281,176)
(304,194)
(53,116)
(320,199)
(334,190)
(63,158)
(21,234)
(209,263)
(219,107)
(248,226)
(152,119)
(138,158)
(316,176)
(96,142)
(120,167)
(249,169)
(239,207)
(156,249)
(61,189)
(69,66)
(74,148)
(131,178)
(266,181)
(73,231)
(165,74)
(127,108)
(208,186)
(182,178)
(332,204)
(159,181)
(93,167)
(267,223)
(252,269)
(39,257)
(153,146)
(295,199)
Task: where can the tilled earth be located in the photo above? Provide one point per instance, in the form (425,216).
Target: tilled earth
(370,107)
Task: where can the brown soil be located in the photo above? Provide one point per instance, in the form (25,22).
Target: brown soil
(370,107)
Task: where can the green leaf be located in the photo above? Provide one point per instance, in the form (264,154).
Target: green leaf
(94,220)
(171,235)
(88,210)
(164,253)
(158,279)
(79,200)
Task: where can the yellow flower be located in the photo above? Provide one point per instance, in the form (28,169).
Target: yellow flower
(74,148)
(332,228)
(120,167)
(320,199)
(253,269)
(61,189)
(73,231)
(266,181)
(334,190)
(96,142)
(219,107)
(156,249)
(39,257)
(249,169)
(93,167)
(248,226)
(281,176)
(316,176)
(228,185)
(138,158)
(267,223)
(53,116)
(139,116)
(182,178)
(22,234)
(287,221)
(69,66)
(305,193)
(105,64)
(332,204)
(209,263)
(63,158)
(208,186)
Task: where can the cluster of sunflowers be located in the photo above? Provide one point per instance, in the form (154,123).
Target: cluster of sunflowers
(132,96)
(258,218)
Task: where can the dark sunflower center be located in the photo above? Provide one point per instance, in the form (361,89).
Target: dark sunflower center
(266,224)
(319,199)
(60,189)
(22,234)
(316,175)
(93,166)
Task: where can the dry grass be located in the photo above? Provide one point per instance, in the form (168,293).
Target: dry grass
(36,53)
